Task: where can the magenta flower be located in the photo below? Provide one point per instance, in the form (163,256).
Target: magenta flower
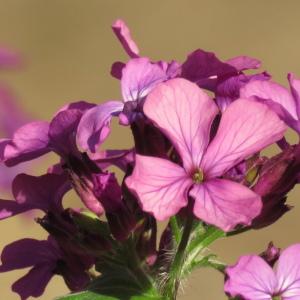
(184,113)
(252,278)
(286,103)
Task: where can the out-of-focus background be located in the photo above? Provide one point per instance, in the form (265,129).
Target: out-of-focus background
(68,48)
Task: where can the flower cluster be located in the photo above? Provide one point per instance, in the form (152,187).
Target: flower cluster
(199,128)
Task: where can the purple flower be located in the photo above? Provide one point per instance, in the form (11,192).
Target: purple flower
(37,138)
(285,103)
(43,192)
(46,259)
(184,113)
(252,278)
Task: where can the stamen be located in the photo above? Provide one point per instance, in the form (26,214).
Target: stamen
(198,176)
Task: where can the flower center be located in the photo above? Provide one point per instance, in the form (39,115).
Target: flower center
(197,176)
(276,298)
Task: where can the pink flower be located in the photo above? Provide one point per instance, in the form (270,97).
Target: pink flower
(253,278)
(184,113)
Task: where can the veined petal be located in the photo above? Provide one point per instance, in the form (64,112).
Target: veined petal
(29,141)
(184,113)
(252,278)
(94,126)
(139,77)
(160,185)
(225,203)
(267,90)
(123,34)
(288,272)
(246,127)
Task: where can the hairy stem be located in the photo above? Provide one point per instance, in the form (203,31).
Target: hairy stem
(177,265)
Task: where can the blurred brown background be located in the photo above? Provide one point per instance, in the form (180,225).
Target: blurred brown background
(68,48)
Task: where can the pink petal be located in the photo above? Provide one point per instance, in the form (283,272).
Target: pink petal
(246,127)
(288,272)
(225,203)
(268,90)
(184,113)
(123,34)
(252,278)
(295,89)
(160,185)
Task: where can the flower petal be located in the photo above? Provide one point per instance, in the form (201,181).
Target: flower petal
(252,278)
(160,185)
(288,272)
(10,208)
(29,141)
(94,126)
(184,113)
(139,77)
(26,253)
(43,192)
(123,34)
(33,284)
(242,63)
(267,90)
(204,67)
(246,127)
(295,89)
(225,203)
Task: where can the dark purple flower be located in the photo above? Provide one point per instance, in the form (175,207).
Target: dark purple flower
(46,259)
(277,177)
(43,192)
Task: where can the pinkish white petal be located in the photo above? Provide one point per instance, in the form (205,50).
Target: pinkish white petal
(246,127)
(184,113)
(288,272)
(160,185)
(252,278)
(225,203)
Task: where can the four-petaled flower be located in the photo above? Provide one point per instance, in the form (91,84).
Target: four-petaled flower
(184,113)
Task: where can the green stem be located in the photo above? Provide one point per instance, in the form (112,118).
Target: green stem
(176,267)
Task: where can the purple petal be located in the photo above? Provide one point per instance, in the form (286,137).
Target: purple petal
(252,278)
(10,208)
(26,253)
(33,284)
(246,127)
(241,63)
(184,113)
(94,126)
(139,77)
(62,131)
(28,142)
(225,203)
(43,192)
(123,34)
(288,272)
(204,67)
(161,190)
(117,69)
(79,105)
(267,90)
(120,158)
